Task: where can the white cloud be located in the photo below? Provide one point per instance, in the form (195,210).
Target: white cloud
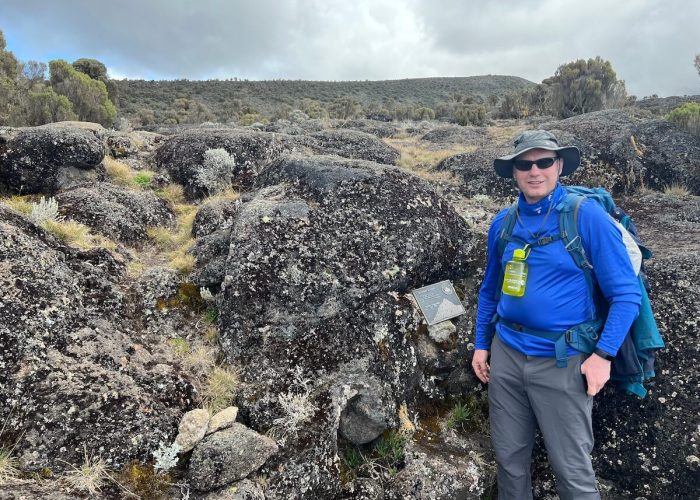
(650,43)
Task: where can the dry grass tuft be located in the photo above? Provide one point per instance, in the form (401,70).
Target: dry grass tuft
(90,476)
(220,389)
(677,190)
(120,173)
(8,466)
(174,193)
(78,235)
(21,204)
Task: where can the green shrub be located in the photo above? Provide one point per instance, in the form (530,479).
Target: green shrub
(143,179)
(686,116)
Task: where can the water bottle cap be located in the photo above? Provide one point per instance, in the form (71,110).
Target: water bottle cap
(519,254)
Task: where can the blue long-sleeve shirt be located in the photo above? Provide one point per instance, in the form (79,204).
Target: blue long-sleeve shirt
(556,294)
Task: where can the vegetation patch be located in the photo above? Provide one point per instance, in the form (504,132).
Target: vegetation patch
(379,460)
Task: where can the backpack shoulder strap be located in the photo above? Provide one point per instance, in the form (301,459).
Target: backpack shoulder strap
(504,236)
(568,210)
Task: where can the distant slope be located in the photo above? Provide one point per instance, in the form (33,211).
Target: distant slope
(266,96)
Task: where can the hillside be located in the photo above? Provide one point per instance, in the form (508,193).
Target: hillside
(267,96)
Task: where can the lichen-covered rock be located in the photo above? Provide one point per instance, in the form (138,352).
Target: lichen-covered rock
(476,169)
(352,144)
(442,473)
(610,156)
(368,413)
(47,158)
(227,456)
(118,213)
(312,303)
(375,127)
(192,428)
(211,252)
(456,134)
(671,156)
(214,216)
(239,490)
(183,154)
(223,419)
(642,446)
(74,376)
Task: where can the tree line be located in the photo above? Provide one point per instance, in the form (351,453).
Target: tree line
(33,93)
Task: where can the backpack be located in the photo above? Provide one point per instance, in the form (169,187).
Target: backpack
(634,362)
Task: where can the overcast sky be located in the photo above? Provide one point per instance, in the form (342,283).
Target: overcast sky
(650,43)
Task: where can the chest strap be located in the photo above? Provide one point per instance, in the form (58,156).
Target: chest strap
(582,337)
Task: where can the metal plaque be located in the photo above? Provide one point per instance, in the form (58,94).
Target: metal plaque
(438,302)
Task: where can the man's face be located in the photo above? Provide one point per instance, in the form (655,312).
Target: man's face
(537,182)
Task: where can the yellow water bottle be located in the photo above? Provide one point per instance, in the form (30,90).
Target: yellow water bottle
(516,274)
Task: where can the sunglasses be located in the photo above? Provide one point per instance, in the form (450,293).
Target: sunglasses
(525,165)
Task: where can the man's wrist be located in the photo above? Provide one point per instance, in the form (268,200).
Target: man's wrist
(605,355)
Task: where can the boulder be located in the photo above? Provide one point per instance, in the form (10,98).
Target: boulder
(476,168)
(312,308)
(46,159)
(352,144)
(441,473)
(378,128)
(610,156)
(183,154)
(456,134)
(118,213)
(192,428)
(670,155)
(645,447)
(74,376)
(214,216)
(227,456)
(223,419)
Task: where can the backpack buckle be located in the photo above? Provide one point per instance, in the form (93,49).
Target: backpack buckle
(545,241)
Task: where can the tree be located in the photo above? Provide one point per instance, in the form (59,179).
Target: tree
(34,71)
(345,107)
(10,94)
(583,86)
(92,68)
(697,63)
(47,107)
(88,97)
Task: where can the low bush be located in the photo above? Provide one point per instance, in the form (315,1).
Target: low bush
(686,116)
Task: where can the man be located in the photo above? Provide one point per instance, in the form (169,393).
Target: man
(526,387)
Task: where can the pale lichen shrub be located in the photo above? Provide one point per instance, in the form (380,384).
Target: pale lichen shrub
(297,408)
(215,173)
(165,457)
(45,210)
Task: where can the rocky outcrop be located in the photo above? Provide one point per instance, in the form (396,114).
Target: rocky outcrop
(456,134)
(311,305)
(182,155)
(227,456)
(378,128)
(352,144)
(118,213)
(74,376)
(646,447)
(670,156)
(48,158)
(609,154)
(476,169)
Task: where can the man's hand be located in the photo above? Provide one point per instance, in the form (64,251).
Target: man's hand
(481,365)
(597,373)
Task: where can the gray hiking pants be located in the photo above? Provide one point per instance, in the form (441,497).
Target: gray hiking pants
(525,391)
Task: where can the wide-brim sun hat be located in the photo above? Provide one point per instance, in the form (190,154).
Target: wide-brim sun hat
(538,139)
